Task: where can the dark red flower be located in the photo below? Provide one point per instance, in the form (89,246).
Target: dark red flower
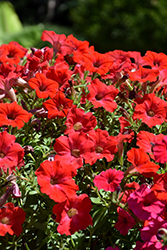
(73,214)
(11,219)
(108,180)
(151,110)
(13,114)
(125,222)
(55,180)
(102,95)
(11,153)
(156,60)
(78,120)
(58,106)
(43,86)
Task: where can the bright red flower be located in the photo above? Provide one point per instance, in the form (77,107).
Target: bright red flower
(58,42)
(146,141)
(78,120)
(74,149)
(43,86)
(13,114)
(12,52)
(11,219)
(151,110)
(108,180)
(143,75)
(104,145)
(59,74)
(141,162)
(11,153)
(102,95)
(156,60)
(96,62)
(144,203)
(58,106)
(160,150)
(55,180)
(73,214)
(160,186)
(125,222)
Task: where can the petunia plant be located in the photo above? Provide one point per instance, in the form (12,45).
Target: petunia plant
(83,162)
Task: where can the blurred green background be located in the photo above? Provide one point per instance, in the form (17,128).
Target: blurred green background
(139,25)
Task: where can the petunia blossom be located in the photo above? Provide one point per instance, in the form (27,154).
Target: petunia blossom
(144,203)
(160,150)
(11,153)
(152,110)
(102,95)
(13,114)
(55,180)
(11,219)
(108,180)
(73,214)
(125,221)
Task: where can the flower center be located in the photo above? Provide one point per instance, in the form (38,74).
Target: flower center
(71,212)
(99,97)
(2,155)
(75,152)
(42,88)
(60,107)
(99,149)
(4,220)
(77,126)
(54,181)
(150,113)
(11,116)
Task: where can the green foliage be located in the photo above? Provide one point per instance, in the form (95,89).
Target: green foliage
(119,24)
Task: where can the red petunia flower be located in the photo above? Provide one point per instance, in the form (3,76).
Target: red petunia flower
(12,52)
(143,75)
(96,62)
(73,214)
(146,141)
(74,149)
(141,162)
(125,222)
(102,95)
(11,153)
(55,180)
(151,110)
(43,86)
(156,60)
(58,42)
(58,106)
(78,120)
(160,150)
(104,145)
(11,219)
(13,114)
(108,180)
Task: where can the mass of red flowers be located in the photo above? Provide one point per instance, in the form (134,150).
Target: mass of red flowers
(83,147)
